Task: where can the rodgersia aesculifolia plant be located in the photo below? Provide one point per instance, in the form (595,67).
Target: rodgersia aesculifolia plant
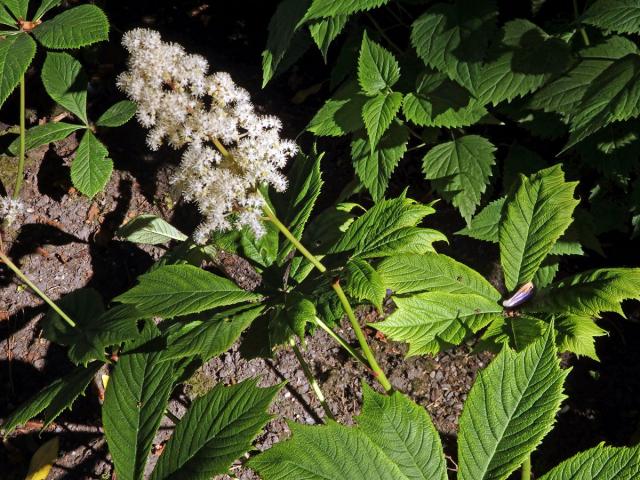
(311,271)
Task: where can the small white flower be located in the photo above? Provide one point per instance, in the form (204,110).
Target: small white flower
(10,209)
(183,106)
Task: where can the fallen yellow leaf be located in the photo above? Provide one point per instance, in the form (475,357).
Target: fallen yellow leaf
(43,459)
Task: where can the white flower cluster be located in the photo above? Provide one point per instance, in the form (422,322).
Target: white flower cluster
(10,209)
(230,149)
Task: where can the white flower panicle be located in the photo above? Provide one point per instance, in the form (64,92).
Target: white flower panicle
(230,149)
(10,209)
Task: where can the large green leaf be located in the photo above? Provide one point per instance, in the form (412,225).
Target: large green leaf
(6,18)
(65,82)
(621,16)
(433,272)
(44,134)
(74,28)
(394,439)
(514,332)
(44,7)
(16,53)
(378,113)
(151,230)
(440,102)
(91,169)
(212,335)
(378,70)
(134,403)
(509,410)
(590,293)
(282,29)
(174,290)
(117,114)
(340,114)
(484,225)
(364,283)
(326,30)
(535,215)
(375,166)
(218,428)
(433,321)
(454,38)
(18,8)
(53,399)
(333,8)
(577,334)
(460,170)
(599,463)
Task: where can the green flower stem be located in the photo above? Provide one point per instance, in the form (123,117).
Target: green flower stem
(21,154)
(341,341)
(335,284)
(39,292)
(311,379)
(526,469)
(583,32)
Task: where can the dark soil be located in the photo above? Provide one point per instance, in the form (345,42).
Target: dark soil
(66,241)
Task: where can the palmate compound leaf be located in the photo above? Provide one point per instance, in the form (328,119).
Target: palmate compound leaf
(535,215)
(218,428)
(91,169)
(134,403)
(66,83)
(16,53)
(510,408)
(53,399)
(460,170)
(175,290)
(394,439)
(74,28)
(433,321)
(589,293)
(150,230)
(431,271)
(599,463)
(375,166)
(622,16)
(378,70)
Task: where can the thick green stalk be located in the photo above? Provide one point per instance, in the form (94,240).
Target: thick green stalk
(311,379)
(38,292)
(526,469)
(335,284)
(23,133)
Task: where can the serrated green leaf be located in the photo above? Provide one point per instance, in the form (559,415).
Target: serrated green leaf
(577,334)
(134,403)
(53,399)
(334,8)
(117,114)
(150,230)
(378,69)
(460,171)
(547,272)
(74,28)
(394,439)
(282,33)
(563,95)
(599,463)
(515,332)
(294,206)
(326,30)
(18,8)
(612,96)
(440,102)
(340,115)
(622,16)
(16,53)
(95,329)
(374,167)
(218,428)
(433,321)
(212,335)
(174,290)
(263,250)
(535,215)
(378,113)
(66,83)
(509,410)
(91,170)
(433,272)
(484,225)
(590,293)
(44,134)
(364,283)
(454,38)
(406,240)
(44,7)
(298,311)
(6,18)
